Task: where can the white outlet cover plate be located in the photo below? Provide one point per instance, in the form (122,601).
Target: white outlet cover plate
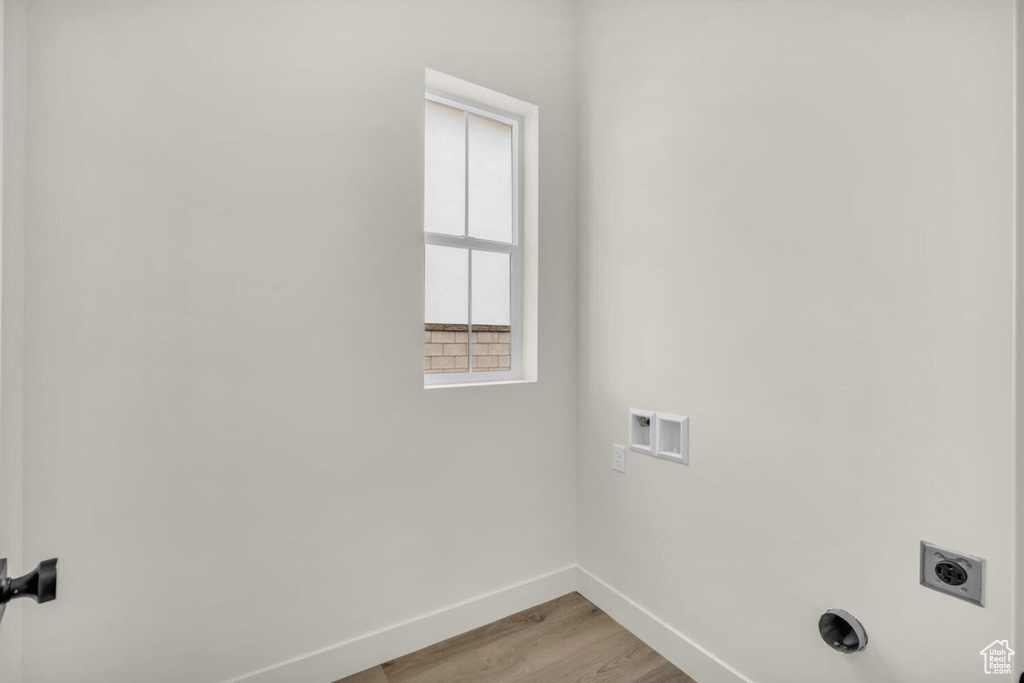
(619,457)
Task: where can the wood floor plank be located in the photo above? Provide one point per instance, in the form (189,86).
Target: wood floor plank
(667,673)
(509,633)
(619,658)
(554,648)
(567,640)
(494,662)
(374,675)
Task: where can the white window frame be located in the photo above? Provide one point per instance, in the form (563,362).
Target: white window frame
(465,241)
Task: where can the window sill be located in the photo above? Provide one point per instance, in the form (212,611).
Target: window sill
(496,383)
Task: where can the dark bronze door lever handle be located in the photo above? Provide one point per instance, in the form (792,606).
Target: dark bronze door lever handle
(40,584)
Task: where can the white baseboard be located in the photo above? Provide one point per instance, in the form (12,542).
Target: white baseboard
(357,654)
(697,662)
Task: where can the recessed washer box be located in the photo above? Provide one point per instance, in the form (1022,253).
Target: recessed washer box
(673,432)
(642,431)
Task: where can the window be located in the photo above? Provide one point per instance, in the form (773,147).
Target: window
(472,242)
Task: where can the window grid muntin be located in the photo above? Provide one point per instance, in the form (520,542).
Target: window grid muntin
(514,248)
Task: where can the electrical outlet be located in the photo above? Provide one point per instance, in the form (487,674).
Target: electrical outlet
(619,457)
(953,573)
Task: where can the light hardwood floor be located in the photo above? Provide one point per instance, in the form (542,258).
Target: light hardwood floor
(568,639)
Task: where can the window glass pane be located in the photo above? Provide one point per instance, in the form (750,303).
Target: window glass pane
(492,303)
(444,190)
(491,288)
(447,285)
(490,179)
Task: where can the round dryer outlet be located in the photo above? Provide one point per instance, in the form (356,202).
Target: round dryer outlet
(951,573)
(954,573)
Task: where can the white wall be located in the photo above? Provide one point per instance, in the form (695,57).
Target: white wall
(797,229)
(224,202)
(11,317)
(1018,624)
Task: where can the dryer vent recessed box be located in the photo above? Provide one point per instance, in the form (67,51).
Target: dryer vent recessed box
(673,432)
